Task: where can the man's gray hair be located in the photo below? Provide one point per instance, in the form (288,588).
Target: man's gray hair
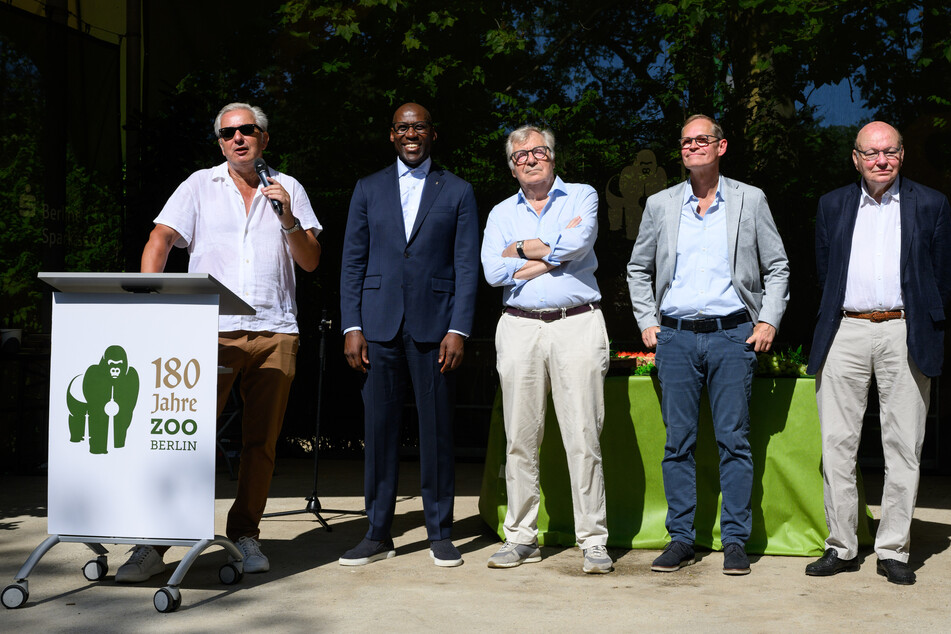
(717,130)
(259,117)
(517,137)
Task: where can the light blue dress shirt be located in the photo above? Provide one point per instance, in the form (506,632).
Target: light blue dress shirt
(702,286)
(412,180)
(572,281)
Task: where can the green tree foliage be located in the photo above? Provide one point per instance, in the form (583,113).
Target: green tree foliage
(91,234)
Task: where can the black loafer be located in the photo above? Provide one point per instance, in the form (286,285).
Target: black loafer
(896,571)
(830,564)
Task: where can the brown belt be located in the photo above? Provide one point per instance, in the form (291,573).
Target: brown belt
(553,315)
(876,316)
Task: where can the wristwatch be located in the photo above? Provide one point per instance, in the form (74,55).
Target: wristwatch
(518,248)
(296,227)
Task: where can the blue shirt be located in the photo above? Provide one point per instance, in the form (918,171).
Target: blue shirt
(702,286)
(572,281)
(412,180)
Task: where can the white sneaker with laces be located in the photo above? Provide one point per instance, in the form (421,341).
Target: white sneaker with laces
(597,560)
(144,563)
(254,559)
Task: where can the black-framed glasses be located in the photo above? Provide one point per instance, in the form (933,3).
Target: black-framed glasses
(421,127)
(891,154)
(540,152)
(702,140)
(246,130)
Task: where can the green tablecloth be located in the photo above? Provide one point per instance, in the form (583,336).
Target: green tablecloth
(788,515)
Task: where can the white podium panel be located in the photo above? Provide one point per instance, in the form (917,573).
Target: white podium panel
(132,415)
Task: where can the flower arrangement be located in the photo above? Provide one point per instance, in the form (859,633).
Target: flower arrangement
(643,361)
(790,363)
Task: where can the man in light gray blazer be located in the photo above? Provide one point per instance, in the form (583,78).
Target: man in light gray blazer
(720,287)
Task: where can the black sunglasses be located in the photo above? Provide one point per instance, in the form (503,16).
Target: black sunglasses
(246,130)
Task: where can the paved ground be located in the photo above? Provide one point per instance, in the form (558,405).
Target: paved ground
(306,590)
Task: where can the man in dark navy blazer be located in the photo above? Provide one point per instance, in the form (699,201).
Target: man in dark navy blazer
(883,252)
(407,295)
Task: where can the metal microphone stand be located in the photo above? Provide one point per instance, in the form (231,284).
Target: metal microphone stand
(313,502)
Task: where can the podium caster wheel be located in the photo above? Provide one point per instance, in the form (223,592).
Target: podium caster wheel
(167,599)
(14,596)
(95,569)
(230,574)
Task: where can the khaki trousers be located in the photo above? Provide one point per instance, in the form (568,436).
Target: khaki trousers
(267,363)
(568,358)
(860,349)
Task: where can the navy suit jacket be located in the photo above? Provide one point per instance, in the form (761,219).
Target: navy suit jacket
(428,281)
(925,263)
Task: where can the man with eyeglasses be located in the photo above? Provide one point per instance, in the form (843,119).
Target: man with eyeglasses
(224,217)
(539,247)
(709,282)
(407,299)
(883,253)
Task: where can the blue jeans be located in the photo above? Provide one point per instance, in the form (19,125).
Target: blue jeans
(724,362)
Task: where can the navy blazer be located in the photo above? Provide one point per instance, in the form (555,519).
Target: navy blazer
(925,262)
(430,280)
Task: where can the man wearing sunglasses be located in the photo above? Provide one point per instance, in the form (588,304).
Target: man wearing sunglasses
(407,297)
(224,217)
(709,282)
(539,247)
(883,253)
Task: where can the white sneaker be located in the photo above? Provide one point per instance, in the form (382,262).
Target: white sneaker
(254,559)
(144,563)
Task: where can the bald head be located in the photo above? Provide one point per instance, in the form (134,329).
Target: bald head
(411,109)
(878,156)
(412,133)
(878,130)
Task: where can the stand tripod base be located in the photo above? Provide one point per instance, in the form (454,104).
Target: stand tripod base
(313,506)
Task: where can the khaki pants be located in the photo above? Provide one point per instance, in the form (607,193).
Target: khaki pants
(568,358)
(860,349)
(266,362)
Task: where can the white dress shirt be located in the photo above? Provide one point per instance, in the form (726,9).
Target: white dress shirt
(247,252)
(874,280)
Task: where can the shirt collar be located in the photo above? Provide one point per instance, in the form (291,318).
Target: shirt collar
(220,172)
(890,193)
(689,199)
(402,169)
(557,187)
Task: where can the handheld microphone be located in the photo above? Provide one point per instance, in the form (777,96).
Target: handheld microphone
(261,168)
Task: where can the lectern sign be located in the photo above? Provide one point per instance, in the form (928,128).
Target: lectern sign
(132,415)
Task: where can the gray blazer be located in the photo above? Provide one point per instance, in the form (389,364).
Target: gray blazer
(760,270)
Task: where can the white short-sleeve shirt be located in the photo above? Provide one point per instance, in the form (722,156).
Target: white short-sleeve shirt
(248,253)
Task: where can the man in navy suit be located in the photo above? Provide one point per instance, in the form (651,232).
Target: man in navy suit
(407,295)
(883,252)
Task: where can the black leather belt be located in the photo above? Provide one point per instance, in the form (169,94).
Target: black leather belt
(706,325)
(555,314)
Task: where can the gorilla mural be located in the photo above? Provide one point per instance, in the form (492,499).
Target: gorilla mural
(109,392)
(637,181)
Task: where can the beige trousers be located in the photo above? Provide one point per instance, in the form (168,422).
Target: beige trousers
(860,349)
(568,358)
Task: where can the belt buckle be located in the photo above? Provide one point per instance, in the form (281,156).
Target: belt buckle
(705,325)
(877,317)
(549,316)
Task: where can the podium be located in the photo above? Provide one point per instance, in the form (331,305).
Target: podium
(132,419)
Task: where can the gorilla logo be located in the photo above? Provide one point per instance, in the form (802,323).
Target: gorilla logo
(109,392)
(637,181)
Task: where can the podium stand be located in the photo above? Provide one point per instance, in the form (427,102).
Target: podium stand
(132,417)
